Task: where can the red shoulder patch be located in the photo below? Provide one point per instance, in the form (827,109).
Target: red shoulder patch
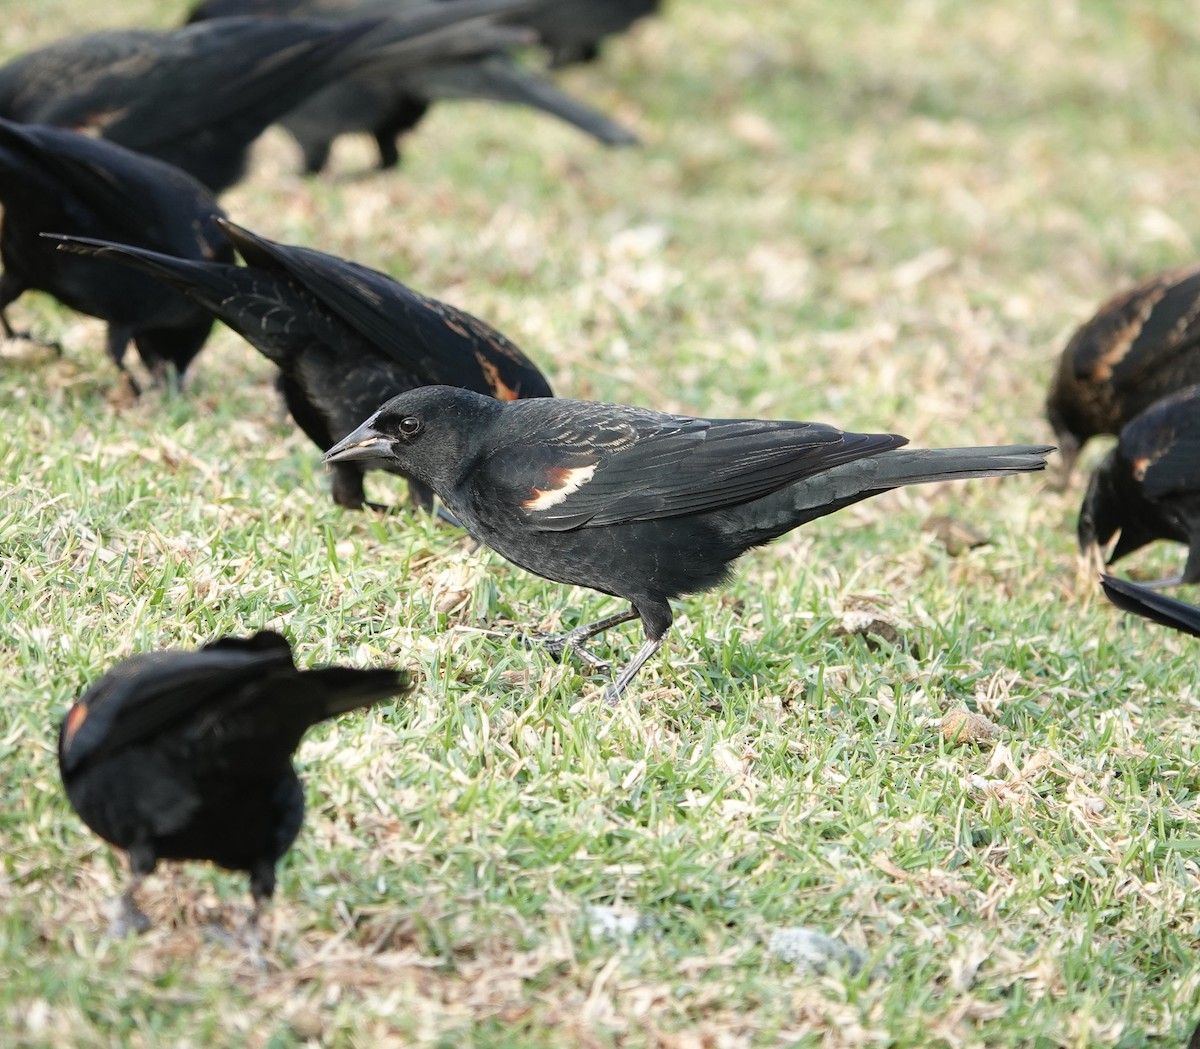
(76,716)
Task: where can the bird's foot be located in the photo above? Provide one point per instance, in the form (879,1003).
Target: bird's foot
(124,917)
(29,337)
(559,645)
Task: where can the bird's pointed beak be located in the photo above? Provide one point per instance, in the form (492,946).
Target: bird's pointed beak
(364,443)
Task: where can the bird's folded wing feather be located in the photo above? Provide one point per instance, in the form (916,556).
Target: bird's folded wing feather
(638,469)
(115,190)
(139,701)
(421,334)
(1166,463)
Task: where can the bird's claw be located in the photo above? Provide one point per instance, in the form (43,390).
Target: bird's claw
(559,645)
(124,918)
(28,336)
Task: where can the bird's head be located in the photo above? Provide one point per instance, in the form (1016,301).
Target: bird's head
(1113,505)
(429,433)
(1066,435)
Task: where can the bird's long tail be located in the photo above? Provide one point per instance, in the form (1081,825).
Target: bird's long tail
(500,80)
(851,482)
(349,688)
(200,281)
(1144,601)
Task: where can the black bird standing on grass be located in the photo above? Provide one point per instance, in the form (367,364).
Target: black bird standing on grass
(1148,486)
(188,755)
(635,503)
(1148,603)
(346,338)
(195,97)
(389,100)
(1141,345)
(53,179)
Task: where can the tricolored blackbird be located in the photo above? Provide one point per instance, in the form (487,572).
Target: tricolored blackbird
(1148,486)
(346,338)
(188,755)
(572,30)
(635,503)
(1141,345)
(389,99)
(59,180)
(195,97)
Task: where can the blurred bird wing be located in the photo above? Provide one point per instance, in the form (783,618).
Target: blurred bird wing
(1166,460)
(438,342)
(121,191)
(643,466)
(141,697)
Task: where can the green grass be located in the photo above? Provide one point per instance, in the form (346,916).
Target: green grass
(887,216)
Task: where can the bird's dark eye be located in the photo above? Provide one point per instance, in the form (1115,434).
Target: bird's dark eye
(411,426)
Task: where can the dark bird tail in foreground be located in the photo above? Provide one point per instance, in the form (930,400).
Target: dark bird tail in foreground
(1144,601)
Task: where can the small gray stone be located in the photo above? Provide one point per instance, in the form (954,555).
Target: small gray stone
(813,951)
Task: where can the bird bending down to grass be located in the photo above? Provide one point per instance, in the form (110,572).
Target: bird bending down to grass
(635,503)
(188,755)
(345,338)
(1142,344)
(1148,486)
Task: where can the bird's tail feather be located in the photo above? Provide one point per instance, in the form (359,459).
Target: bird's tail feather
(850,482)
(500,80)
(1144,601)
(349,688)
(190,276)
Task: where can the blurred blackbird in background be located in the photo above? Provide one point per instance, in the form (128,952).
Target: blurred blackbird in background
(188,755)
(389,99)
(53,179)
(195,97)
(1148,486)
(635,503)
(1148,603)
(1141,345)
(572,30)
(345,338)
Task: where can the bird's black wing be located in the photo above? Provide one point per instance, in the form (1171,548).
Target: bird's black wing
(442,344)
(145,694)
(1162,445)
(1136,331)
(1150,604)
(152,202)
(590,464)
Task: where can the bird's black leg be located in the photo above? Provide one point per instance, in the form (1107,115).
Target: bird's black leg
(389,153)
(262,888)
(572,641)
(348,489)
(116,343)
(11,289)
(656,620)
(618,687)
(124,915)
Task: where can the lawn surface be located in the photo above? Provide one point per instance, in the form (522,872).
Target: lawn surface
(888,216)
